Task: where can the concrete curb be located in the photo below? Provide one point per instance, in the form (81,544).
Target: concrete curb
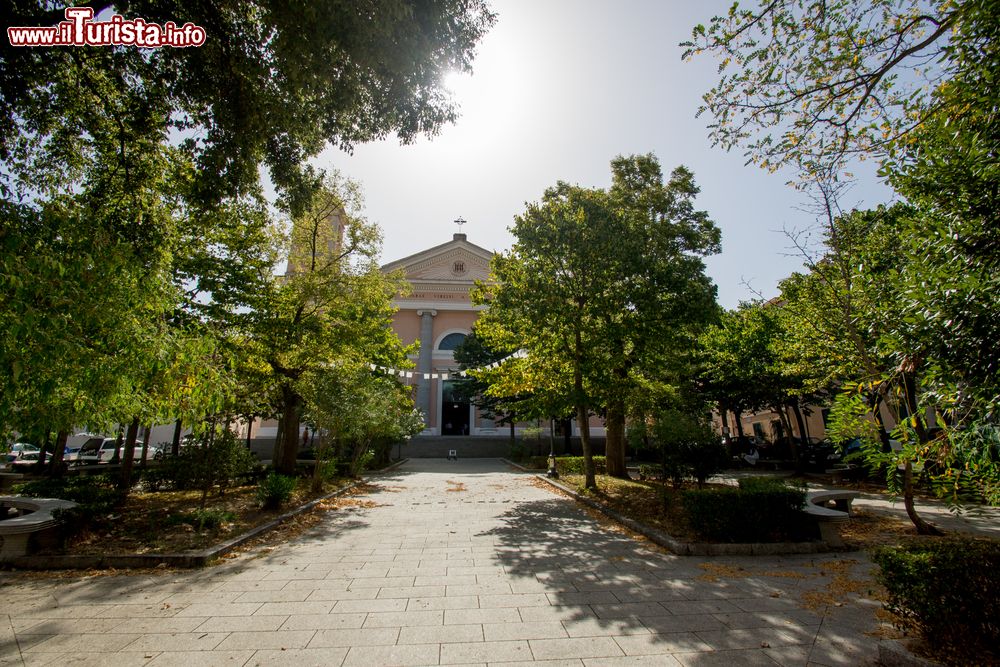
(893,653)
(185,559)
(519,466)
(694,548)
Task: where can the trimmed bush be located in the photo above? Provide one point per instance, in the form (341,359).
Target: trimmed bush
(275,490)
(760,510)
(573,465)
(949,590)
(95,495)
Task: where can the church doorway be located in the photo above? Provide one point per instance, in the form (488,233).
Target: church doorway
(455,411)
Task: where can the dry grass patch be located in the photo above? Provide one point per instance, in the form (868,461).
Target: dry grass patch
(168,521)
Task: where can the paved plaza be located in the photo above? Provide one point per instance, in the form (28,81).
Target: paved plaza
(453,563)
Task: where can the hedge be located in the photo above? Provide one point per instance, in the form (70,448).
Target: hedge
(949,590)
(567,465)
(760,510)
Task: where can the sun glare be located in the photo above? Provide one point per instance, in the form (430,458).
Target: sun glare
(454,80)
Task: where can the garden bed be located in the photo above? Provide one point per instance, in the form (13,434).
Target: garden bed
(657,506)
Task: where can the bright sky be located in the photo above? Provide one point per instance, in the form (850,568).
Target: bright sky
(560,88)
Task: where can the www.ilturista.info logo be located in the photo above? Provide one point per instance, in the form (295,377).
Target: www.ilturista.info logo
(80,29)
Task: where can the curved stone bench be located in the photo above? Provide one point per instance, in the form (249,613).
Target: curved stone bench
(817,506)
(34,516)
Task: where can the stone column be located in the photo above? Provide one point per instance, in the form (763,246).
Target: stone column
(424,362)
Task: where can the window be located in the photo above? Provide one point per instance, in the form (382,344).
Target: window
(451,341)
(458,267)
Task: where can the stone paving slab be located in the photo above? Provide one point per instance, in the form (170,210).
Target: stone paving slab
(500,572)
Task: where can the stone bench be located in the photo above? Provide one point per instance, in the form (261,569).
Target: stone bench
(34,515)
(817,506)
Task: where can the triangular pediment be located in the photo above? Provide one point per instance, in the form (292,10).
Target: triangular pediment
(455,261)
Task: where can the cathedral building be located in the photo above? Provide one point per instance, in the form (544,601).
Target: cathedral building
(439,313)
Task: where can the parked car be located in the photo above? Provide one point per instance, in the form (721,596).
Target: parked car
(102,450)
(818,455)
(71,453)
(25,459)
(19,449)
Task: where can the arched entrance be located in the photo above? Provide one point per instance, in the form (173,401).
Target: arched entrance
(455,411)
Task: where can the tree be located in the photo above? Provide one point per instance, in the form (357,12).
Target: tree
(360,411)
(473,354)
(909,83)
(600,284)
(333,303)
(131,179)
(271,84)
(809,83)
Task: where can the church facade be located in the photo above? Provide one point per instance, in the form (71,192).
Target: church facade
(439,313)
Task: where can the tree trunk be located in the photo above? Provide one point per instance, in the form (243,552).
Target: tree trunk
(615,448)
(43,453)
(128,454)
(291,403)
(145,445)
(923,527)
(250,421)
(276,449)
(116,457)
(739,423)
(513,436)
(590,479)
(208,477)
(910,396)
(724,414)
(567,437)
(801,423)
(175,446)
(56,463)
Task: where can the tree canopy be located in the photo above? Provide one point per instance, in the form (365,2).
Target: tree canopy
(603,284)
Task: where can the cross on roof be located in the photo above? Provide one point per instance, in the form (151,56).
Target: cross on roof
(460,222)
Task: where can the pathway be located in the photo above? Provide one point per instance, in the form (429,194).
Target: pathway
(457,563)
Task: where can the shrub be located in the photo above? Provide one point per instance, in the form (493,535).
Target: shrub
(760,510)
(517,451)
(647,471)
(537,463)
(222,460)
(949,590)
(690,448)
(94,494)
(573,465)
(275,490)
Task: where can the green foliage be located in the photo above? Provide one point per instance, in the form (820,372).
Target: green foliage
(600,288)
(364,414)
(689,447)
(949,590)
(808,83)
(96,495)
(574,465)
(517,451)
(537,462)
(757,511)
(648,471)
(275,490)
(222,460)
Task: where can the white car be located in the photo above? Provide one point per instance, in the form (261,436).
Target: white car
(102,450)
(19,449)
